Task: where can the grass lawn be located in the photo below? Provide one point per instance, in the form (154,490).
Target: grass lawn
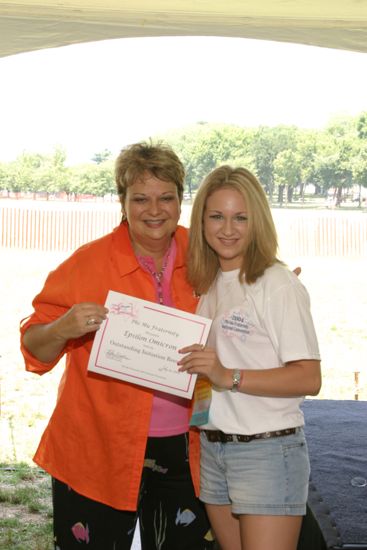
(26,514)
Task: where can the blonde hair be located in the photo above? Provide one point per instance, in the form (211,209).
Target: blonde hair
(158,159)
(261,252)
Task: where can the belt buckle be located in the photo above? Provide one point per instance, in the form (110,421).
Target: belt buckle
(211,436)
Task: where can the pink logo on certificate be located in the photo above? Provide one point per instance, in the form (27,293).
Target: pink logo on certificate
(123,309)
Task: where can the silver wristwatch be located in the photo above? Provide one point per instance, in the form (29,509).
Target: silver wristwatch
(236,379)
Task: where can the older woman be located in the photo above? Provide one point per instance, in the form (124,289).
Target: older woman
(117,451)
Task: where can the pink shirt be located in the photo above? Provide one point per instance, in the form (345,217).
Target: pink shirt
(170,413)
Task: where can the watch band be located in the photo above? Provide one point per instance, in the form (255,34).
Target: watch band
(236,379)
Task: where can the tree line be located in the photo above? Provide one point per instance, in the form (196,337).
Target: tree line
(286,159)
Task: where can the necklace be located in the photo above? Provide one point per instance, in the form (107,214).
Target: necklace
(147,263)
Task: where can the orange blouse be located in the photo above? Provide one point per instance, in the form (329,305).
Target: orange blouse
(96,437)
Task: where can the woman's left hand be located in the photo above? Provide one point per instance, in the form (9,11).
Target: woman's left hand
(204,361)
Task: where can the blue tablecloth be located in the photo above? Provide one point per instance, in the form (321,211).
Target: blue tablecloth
(336,433)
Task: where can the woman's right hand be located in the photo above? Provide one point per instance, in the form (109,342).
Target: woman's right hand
(203,360)
(79,320)
(47,341)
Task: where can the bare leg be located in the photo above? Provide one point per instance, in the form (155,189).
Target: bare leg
(225,525)
(269,532)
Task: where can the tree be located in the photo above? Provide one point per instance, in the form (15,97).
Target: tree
(339,146)
(23,174)
(287,173)
(53,175)
(360,159)
(268,142)
(101,157)
(360,171)
(4,177)
(93,179)
(307,150)
(203,147)
(282,157)
(362,126)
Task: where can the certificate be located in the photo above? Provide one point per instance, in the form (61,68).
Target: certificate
(138,343)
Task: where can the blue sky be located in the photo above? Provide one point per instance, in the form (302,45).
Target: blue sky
(88,97)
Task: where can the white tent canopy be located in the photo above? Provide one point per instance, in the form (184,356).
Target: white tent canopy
(32,25)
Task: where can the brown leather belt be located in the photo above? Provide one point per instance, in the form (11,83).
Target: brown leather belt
(220,437)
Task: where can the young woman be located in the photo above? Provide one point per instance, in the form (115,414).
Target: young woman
(262,358)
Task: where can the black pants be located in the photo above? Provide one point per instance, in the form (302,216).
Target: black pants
(170,516)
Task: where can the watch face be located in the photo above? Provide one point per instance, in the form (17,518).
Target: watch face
(236,379)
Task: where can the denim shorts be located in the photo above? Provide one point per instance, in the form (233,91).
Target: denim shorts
(262,477)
